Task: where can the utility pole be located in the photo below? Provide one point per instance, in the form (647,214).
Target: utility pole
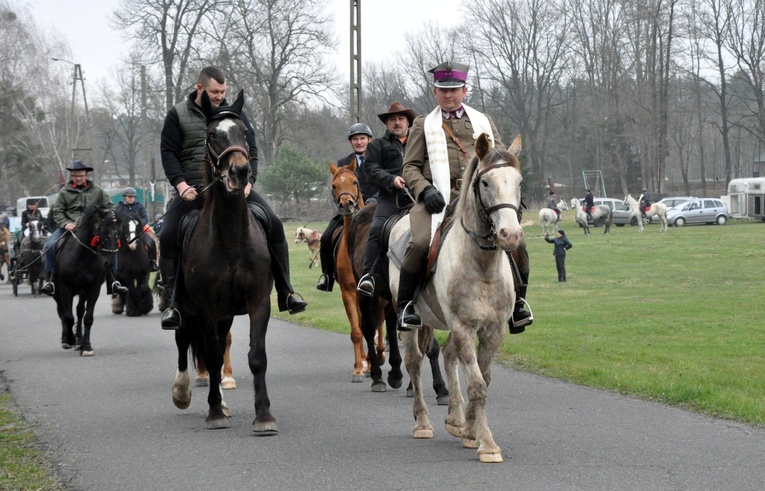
(355,37)
(77,76)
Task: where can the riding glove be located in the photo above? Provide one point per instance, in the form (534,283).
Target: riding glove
(432,199)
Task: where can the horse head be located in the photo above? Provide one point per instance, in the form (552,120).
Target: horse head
(575,203)
(106,227)
(345,188)
(35,234)
(493,198)
(131,227)
(227,149)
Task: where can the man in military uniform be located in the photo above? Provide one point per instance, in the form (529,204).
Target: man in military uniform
(430,147)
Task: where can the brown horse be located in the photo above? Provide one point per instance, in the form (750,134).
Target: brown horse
(5,248)
(348,199)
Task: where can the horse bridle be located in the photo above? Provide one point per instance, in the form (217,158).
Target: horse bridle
(489,239)
(216,158)
(355,197)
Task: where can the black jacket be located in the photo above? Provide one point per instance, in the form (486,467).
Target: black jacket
(384,161)
(562,244)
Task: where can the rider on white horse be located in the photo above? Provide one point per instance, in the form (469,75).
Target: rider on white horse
(552,201)
(645,201)
(589,204)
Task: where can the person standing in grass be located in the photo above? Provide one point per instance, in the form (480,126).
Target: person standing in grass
(562,244)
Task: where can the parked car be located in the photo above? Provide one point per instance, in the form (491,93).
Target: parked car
(699,210)
(671,202)
(622,213)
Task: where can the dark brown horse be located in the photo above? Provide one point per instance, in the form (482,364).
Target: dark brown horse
(226,272)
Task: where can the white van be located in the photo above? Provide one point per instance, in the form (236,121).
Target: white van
(42,204)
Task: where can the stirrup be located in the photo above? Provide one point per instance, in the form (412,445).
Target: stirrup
(408,326)
(366,285)
(526,320)
(170,326)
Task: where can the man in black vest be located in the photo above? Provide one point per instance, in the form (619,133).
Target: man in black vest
(183,150)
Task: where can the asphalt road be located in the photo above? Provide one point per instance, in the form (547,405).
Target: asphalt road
(108,422)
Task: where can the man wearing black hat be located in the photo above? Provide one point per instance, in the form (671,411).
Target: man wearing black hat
(183,151)
(439,148)
(384,161)
(79,193)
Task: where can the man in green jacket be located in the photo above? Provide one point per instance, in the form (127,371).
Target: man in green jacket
(79,193)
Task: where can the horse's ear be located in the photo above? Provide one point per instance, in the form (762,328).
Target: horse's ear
(482,145)
(239,102)
(332,168)
(207,107)
(352,165)
(515,147)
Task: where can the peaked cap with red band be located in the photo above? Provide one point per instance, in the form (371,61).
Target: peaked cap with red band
(449,75)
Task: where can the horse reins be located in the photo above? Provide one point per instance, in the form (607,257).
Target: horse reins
(484,213)
(356,197)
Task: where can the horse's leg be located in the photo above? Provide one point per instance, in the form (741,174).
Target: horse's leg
(228,381)
(181,385)
(371,310)
(215,334)
(80,314)
(442,393)
(64,308)
(264,423)
(413,356)
(118,304)
(348,293)
(89,302)
(488,345)
(455,417)
(395,376)
(203,376)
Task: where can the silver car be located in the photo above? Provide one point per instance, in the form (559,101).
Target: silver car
(671,202)
(621,212)
(699,210)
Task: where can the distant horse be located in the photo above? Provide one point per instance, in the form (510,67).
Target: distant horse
(471,293)
(312,238)
(226,272)
(548,220)
(5,250)
(601,214)
(82,263)
(133,270)
(658,209)
(31,256)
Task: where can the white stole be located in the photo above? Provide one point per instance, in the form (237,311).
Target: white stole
(438,154)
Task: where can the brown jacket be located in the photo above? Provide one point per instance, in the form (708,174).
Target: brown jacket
(416,170)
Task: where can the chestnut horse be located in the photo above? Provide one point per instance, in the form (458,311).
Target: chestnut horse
(471,293)
(347,195)
(226,272)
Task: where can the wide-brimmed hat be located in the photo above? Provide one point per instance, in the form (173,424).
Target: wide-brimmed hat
(397,108)
(449,75)
(78,165)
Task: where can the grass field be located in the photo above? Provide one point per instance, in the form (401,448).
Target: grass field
(674,317)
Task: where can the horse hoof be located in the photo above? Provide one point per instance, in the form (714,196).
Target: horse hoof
(357,377)
(442,400)
(228,383)
(379,386)
(454,430)
(410,392)
(66,345)
(395,383)
(218,423)
(201,382)
(470,443)
(76,347)
(265,428)
(87,353)
(423,433)
(490,457)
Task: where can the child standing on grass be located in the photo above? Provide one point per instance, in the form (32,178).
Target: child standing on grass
(562,244)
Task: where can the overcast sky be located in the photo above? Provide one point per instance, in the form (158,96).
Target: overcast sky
(97,48)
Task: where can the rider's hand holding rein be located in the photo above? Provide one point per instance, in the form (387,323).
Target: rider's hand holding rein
(69,227)
(186,192)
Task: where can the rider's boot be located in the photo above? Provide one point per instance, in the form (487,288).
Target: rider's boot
(366,285)
(522,315)
(327,279)
(408,318)
(48,288)
(171,317)
(280,268)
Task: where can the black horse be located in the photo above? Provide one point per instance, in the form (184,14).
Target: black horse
(374,309)
(133,270)
(226,272)
(30,258)
(82,263)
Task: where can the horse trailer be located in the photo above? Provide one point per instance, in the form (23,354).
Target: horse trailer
(747,197)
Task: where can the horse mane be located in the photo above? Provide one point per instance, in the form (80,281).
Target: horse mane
(88,219)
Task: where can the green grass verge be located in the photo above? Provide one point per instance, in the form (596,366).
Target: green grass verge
(673,317)
(22,464)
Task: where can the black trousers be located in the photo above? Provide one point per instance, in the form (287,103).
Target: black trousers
(560,265)
(386,208)
(326,257)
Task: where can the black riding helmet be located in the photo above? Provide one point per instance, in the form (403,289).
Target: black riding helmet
(359,129)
